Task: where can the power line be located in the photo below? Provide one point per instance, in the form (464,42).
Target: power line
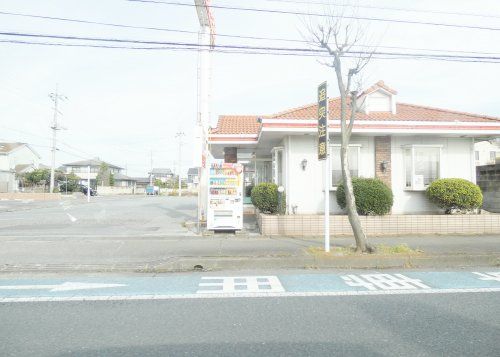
(259,38)
(350,17)
(399,9)
(243,52)
(248,49)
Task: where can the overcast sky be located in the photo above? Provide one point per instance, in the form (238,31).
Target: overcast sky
(124,103)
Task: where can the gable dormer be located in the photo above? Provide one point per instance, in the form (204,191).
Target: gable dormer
(378,98)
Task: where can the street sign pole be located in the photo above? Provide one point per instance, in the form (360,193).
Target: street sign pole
(323,145)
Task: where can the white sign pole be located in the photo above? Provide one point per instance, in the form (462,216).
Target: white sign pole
(327,186)
(88,184)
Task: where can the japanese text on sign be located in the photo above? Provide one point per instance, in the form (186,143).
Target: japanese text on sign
(322,122)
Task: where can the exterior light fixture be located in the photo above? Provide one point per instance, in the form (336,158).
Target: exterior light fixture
(383,166)
(304,164)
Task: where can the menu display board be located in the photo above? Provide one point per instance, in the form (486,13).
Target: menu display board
(225,196)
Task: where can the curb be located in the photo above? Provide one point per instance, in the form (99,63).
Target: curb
(338,262)
(181,264)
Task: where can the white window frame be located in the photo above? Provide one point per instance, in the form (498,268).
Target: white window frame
(413,147)
(274,163)
(330,157)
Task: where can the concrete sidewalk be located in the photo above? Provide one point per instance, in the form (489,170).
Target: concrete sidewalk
(157,254)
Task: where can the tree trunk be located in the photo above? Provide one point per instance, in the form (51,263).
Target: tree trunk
(352,213)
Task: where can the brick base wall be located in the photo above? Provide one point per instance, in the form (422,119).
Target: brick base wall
(383,153)
(312,225)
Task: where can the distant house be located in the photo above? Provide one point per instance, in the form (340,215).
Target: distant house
(81,169)
(193,177)
(15,158)
(122,180)
(141,182)
(162,174)
(487,152)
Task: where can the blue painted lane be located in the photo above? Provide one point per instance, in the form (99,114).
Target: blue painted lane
(175,285)
(197,284)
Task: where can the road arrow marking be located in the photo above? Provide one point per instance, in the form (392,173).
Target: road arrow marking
(68,286)
(72,219)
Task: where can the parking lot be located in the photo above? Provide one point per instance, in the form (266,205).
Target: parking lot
(103,216)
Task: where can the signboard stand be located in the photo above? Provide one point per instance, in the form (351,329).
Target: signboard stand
(323,145)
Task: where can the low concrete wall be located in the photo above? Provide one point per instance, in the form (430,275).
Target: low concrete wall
(110,190)
(312,225)
(488,178)
(30,196)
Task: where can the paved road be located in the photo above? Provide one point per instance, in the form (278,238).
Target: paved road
(104,216)
(397,318)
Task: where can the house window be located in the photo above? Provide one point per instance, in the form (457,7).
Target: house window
(477,155)
(493,156)
(353,158)
(277,160)
(422,166)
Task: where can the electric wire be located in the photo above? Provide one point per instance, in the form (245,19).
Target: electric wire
(349,17)
(290,51)
(258,38)
(387,8)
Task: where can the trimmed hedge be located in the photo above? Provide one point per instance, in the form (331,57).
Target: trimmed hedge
(453,194)
(265,197)
(373,197)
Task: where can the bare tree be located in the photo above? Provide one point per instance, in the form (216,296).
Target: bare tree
(338,37)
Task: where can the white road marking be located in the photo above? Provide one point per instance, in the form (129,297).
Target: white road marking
(241,284)
(384,282)
(72,219)
(68,286)
(492,275)
(246,295)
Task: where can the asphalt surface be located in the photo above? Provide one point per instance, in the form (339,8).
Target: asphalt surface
(147,233)
(102,216)
(408,325)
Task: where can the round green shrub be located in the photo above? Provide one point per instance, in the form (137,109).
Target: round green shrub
(373,197)
(265,197)
(454,194)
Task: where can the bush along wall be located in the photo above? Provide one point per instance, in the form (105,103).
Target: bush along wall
(455,195)
(265,197)
(373,197)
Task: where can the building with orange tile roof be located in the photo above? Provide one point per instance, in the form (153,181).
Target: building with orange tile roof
(405,145)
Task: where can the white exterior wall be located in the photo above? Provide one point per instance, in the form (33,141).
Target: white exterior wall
(305,188)
(21,156)
(4,162)
(456,161)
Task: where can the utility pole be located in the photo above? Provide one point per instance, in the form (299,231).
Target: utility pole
(179,136)
(206,40)
(151,171)
(55,98)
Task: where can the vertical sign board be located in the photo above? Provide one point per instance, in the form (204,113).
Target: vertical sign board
(323,155)
(322,122)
